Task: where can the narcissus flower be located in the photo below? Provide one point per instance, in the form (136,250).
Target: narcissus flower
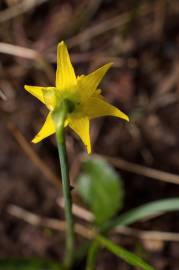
(81,91)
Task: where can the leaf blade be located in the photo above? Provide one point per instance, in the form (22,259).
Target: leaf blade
(100,187)
(124,254)
(145,211)
(28,264)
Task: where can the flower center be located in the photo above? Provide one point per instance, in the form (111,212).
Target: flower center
(72,97)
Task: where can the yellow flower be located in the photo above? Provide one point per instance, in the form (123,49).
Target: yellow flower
(82,91)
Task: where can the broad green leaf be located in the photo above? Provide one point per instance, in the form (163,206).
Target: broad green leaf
(124,254)
(101,188)
(84,187)
(28,264)
(145,211)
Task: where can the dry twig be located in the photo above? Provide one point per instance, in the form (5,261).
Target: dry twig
(27,148)
(78,211)
(105,26)
(84,230)
(51,223)
(19,51)
(142,170)
(29,54)
(19,9)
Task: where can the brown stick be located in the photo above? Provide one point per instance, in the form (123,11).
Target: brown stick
(85,231)
(142,170)
(27,148)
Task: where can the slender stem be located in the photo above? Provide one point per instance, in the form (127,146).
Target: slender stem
(59,117)
(94,251)
(92,255)
(69,252)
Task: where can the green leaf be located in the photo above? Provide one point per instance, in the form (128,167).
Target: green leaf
(145,211)
(84,187)
(124,254)
(28,264)
(101,188)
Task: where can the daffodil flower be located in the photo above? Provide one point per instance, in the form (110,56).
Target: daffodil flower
(82,91)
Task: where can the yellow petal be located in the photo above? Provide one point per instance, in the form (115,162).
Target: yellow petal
(96,107)
(36,91)
(88,84)
(47,129)
(81,128)
(50,97)
(65,75)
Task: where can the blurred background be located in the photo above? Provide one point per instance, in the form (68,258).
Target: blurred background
(141,38)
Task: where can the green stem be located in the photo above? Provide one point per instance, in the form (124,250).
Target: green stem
(94,251)
(59,116)
(92,255)
(69,252)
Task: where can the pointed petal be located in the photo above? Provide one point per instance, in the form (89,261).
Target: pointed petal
(50,97)
(89,83)
(36,91)
(96,107)
(47,129)
(65,75)
(81,128)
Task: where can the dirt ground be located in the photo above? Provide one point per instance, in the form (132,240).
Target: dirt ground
(142,39)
